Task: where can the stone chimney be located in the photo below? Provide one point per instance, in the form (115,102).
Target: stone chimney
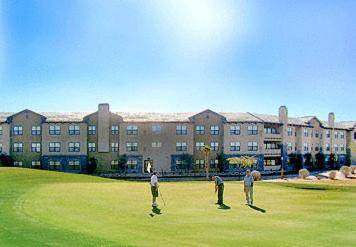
(103,107)
(103,128)
(283,114)
(331,119)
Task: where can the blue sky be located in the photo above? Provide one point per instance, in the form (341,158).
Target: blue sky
(179,56)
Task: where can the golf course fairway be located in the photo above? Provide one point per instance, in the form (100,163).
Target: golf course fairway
(41,208)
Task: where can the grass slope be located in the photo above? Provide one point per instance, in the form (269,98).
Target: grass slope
(40,208)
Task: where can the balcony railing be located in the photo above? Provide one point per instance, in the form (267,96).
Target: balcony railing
(270,136)
(272,152)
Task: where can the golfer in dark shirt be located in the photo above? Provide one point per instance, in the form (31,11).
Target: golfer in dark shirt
(219,187)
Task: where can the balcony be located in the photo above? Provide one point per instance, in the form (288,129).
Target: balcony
(272,152)
(273,137)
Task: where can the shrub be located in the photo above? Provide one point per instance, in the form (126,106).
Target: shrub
(303,173)
(332,174)
(256,175)
(353,169)
(346,170)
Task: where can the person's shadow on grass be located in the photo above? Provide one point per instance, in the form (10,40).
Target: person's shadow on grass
(257,208)
(224,207)
(155,211)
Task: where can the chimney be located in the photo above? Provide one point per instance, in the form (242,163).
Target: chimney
(283,114)
(331,119)
(103,107)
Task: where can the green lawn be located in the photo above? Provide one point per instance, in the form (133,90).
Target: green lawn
(40,208)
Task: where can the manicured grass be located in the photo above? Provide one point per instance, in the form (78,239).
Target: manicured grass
(47,208)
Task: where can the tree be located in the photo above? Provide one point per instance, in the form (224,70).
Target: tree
(187,161)
(308,159)
(206,151)
(92,165)
(348,157)
(296,161)
(221,161)
(320,160)
(6,160)
(122,162)
(331,161)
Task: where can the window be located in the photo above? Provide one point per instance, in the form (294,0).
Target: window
(74,165)
(91,130)
(73,147)
(235,146)
(214,130)
(200,129)
(289,131)
(271,145)
(336,135)
(289,146)
(199,146)
(316,134)
(328,134)
(342,148)
(270,162)
(18,147)
(336,148)
(0,130)
(132,130)
(214,163)
(131,164)
(305,147)
(181,130)
(54,147)
(214,146)
(114,165)
(73,130)
(35,147)
(115,130)
(342,135)
(36,164)
(235,130)
(252,130)
(252,146)
(354,135)
(156,128)
(54,130)
(54,165)
(18,163)
(327,147)
(17,130)
(305,131)
(270,130)
(36,130)
(114,147)
(200,164)
(156,144)
(181,146)
(131,146)
(0,148)
(92,147)
(316,148)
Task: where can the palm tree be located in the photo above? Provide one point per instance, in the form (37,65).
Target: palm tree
(206,151)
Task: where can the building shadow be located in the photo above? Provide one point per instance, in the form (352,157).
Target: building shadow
(257,208)
(224,207)
(155,211)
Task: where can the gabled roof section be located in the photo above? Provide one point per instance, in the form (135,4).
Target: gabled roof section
(9,118)
(240,117)
(205,112)
(267,118)
(64,116)
(4,116)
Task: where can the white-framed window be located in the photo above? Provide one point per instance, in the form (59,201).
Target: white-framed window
(269,162)
(342,147)
(74,165)
(17,130)
(305,146)
(131,146)
(54,147)
(36,130)
(270,130)
(181,130)
(336,148)
(199,146)
(156,128)
(91,146)
(54,129)
(181,146)
(73,147)
(327,147)
(200,163)
(36,164)
(73,130)
(114,129)
(235,146)
(317,148)
(235,129)
(289,146)
(91,130)
(114,165)
(214,146)
(132,130)
(306,132)
(316,134)
(271,145)
(342,135)
(252,130)
(214,130)
(114,147)
(289,131)
(214,163)
(35,147)
(0,130)
(131,164)
(327,133)
(54,164)
(156,144)
(18,147)
(252,146)
(18,163)
(336,135)
(200,129)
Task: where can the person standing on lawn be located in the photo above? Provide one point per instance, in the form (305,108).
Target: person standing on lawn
(248,187)
(219,187)
(154,188)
